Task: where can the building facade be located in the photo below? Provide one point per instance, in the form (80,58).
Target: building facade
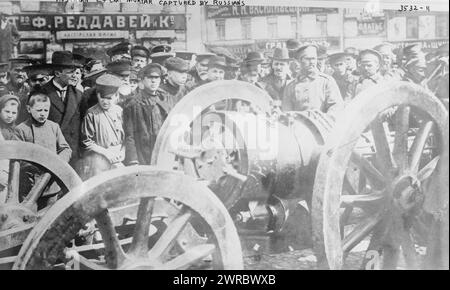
(91,28)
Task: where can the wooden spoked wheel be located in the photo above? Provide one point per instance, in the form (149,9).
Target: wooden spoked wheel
(219,249)
(18,214)
(372,181)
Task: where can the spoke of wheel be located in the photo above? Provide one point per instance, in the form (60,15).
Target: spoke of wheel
(13,182)
(372,259)
(384,157)
(139,246)
(400,150)
(37,190)
(372,174)
(114,254)
(191,256)
(344,219)
(418,145)
(362,200)
(428,169)
(172,231)
(92,265)
(348,186)
(360,232)
(408,249)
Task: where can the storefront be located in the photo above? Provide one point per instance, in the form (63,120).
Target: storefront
(363,29)
(91,28)
(262,28)
(428,28)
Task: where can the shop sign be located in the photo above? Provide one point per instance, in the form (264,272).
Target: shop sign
(427,45)
(248,11)
(371,27)
(63,22)
(91,34)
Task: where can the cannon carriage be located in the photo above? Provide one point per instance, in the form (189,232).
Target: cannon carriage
(221,177)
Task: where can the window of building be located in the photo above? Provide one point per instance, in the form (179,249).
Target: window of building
(220,29)
(246,27)
(272,27)
(294,26)
(412,27)
(441,26)
(321,21)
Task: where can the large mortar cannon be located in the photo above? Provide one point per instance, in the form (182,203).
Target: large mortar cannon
(365,179)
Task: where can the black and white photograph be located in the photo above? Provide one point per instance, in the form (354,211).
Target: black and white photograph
(224,135)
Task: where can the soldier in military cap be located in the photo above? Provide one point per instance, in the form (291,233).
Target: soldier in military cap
(139,56)
(119,51)
(177,73)
(370,63)
(38,74)
(102,134)
(160,53)
(387,69)
(144,116)
(312,89)
(345,80)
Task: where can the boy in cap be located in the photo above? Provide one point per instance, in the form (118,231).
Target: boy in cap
(177,73)
(102,130)
(370,63)
(216,69)
(345,80)
(312,90)
(144,115)
(139,56)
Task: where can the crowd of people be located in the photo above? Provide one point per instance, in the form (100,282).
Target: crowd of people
(85,111)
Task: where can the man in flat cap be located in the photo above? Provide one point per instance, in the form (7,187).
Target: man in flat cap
(119,51)
(177,73)
(345,80)
(102,134)
(67,105)
(388,71)
(312,89)
(144,115)
(139,56)
(279,77)
(370,63)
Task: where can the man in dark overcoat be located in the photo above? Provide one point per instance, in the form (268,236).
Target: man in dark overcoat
(67,106)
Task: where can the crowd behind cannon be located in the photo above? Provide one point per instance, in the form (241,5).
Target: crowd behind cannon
(85,110)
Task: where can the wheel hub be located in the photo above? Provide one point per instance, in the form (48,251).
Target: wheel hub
(406,192)
(15,215)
